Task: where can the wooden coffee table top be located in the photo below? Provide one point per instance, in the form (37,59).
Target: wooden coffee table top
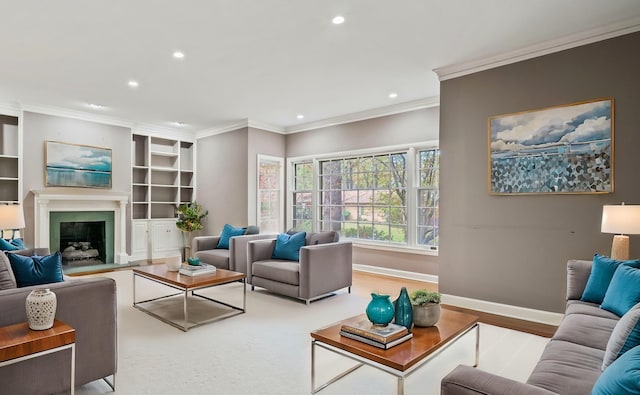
(18,340)
(160,273)
(425,341)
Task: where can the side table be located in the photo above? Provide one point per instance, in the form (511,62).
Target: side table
(19,343)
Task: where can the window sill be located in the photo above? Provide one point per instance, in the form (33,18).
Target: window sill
(403,249)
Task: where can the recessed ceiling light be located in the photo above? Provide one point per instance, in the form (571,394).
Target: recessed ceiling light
(96,106)
(300,116)
(178,54)
(338,20)
(133,83)
(393,95)
(177,123)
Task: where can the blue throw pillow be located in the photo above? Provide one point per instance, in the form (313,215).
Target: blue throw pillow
(623,292)
(36,270)
(7,246)
(621,377)
(18,243)
(228,232)
(288,246)
(601,274)
(624,337)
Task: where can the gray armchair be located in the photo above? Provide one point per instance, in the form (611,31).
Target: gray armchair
(234,258)
(325,266)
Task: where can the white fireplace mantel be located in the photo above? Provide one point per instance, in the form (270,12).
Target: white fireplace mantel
(64,199)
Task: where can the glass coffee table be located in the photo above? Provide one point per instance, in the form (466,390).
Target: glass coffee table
(401,360)
(188,286)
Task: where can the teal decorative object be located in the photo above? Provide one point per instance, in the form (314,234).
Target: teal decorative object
(193,261)
(403,309)
(380,310)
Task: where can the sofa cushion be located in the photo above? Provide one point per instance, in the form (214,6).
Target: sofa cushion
(252,230)
(228,232)
(586,330)
(6,245)
(277,270)
(36,270)
(602,272)
(579,307)
(624,291)
(7,279)
(330,236)
(624,337)
(621,377)
(288,246)
(567,368)
(218,257)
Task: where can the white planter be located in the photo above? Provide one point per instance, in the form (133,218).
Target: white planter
(426,315)
(41,307)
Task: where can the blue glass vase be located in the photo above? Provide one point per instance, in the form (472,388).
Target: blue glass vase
(403,310)
(380,310)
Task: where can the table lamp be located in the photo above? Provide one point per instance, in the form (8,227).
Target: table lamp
(622,220)
(11,217)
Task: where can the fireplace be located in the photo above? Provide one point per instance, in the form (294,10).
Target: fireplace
(53,206)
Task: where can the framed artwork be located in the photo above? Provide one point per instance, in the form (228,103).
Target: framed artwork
(73,165)
(566,149)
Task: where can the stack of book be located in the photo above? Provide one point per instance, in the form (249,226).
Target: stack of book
(383,337)
(191,270)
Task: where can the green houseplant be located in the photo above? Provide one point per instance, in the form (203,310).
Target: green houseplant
(190,217)
(426,307)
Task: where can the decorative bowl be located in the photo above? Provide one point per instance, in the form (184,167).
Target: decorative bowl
(193,261)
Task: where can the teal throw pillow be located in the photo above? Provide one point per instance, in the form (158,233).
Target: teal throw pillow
(624,337)
(7,245)
(601,274)
(228,232)
(36,270)
(623,292)
(621,377)
(288,246)
(18,243)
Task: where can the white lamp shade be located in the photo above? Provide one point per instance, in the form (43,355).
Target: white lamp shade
(621,219)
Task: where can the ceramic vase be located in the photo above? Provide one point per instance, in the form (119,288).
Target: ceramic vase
(426,315)
(403,309)
(173,263)
(380,310)
(41,307)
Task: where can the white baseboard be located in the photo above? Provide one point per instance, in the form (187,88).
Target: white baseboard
(523,313)
(429,278)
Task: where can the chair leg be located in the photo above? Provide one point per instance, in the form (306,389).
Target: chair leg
(307,301)
(253,288)
(349,289)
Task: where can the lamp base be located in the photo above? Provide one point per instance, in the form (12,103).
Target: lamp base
(620,248)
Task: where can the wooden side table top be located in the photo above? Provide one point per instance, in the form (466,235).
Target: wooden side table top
(425,341)
(160,273)
(18,340)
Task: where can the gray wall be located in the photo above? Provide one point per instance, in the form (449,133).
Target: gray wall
(405,128)
(513,249)
(38,128)
(221,179)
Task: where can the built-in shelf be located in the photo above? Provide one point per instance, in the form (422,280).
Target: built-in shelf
(9,160)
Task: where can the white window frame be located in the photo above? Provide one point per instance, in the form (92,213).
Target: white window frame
(412,192)
(281,184)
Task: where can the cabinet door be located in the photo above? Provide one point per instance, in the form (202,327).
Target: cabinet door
(166,238)
(140,242)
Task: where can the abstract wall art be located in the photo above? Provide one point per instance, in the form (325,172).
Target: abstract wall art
(73,165)
(564,149)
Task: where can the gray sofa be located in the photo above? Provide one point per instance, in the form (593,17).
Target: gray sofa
(572,360)
(89,306)
(325,266)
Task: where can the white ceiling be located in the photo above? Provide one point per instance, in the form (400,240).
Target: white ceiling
(263,60)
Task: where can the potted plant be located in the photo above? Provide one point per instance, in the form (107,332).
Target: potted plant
(426,307)
(190,216)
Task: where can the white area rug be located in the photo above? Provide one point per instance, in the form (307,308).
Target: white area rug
(268,349)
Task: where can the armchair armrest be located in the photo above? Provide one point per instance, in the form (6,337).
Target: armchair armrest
(577,275)
(258,250)
(465,380)
(238,250)
(325,268)
(201,243)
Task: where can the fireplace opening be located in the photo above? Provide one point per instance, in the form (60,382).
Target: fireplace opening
(83,243)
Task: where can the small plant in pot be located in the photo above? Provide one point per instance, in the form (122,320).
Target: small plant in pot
(426,307)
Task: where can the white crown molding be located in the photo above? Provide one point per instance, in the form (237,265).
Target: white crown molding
(533,51)
(161,131)
(12,109)
(266,126)
(429,278)
(230,127)
(413,105)
(81,115)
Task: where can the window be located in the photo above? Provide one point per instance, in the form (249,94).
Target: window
(388,198)
(428,197)
(270,201)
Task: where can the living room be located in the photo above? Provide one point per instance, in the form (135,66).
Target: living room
(500,254)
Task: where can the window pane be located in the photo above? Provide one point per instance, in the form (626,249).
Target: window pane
(428,198)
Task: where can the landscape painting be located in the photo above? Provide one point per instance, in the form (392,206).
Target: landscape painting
(564,149)
(72,165)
